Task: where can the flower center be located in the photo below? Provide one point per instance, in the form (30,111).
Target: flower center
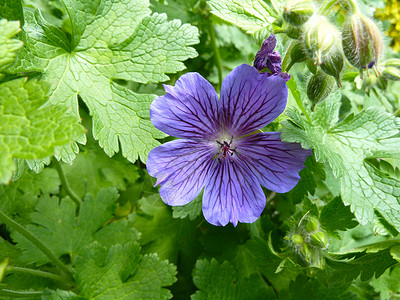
(226,150)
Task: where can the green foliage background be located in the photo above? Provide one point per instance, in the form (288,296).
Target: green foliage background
(79,216)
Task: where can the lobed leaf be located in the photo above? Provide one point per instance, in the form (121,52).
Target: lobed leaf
(120,272)
(56,225)
(8,45)
(29,128)
(220,281)
(335,216)
(250,15)
(347,146)
(110,40)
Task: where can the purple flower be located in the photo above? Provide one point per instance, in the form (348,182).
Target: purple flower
(266,57)
(219,149)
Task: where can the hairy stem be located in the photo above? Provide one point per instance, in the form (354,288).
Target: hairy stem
(65,183)
(286,58)
(35,273)
(328,4)
(30,237)
(216,53)
(20,294)
(354,6)
(326,7)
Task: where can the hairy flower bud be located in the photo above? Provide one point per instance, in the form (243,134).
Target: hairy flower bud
(391,69)
(332,63)
(312,224)
(297,12)
(362,42)
(320,239)
(297,239)
(319,87)
(297,54)
(293,32)
(320,38)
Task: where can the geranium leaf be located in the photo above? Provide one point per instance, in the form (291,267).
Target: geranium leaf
(54,218)
(29,128)
(120,272)
(110,40)
(346,146)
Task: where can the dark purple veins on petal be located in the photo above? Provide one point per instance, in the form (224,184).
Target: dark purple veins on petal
(276,164)
(213,153)
(181,167)
(232,194)
(251,100)
(188,110)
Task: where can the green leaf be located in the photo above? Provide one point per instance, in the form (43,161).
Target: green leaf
(346,146)
(256,255)
(312,172)
(55,36)
(317,288)
(120,272)
(60,295)
(20,197)
(161,233)
(335,216)
(11,10)
(191,210)
(81,13)
(364,263)
(8,250)
(250,15)
(8,46)
(110,40)
(388,284)
(220,281)
(56,225)
(29,128)
(214,280)
(93,170)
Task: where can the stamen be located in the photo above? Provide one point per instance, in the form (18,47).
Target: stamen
(226,151)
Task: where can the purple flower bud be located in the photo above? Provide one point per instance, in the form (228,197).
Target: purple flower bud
(268,58)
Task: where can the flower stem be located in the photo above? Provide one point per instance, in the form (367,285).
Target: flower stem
(285,60)
(326,7)
(354,6)
(30,237)
(65,183)
(20,294)
(35,272)
(328,4)
(216,53)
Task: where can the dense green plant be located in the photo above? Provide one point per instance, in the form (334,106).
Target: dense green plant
(80,217)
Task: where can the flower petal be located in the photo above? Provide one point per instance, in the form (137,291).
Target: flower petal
(232,194)
(181,167)
(251,100)
(188,110)
(276,164)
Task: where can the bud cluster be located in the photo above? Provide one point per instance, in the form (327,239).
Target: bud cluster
(324,47)
(308,240)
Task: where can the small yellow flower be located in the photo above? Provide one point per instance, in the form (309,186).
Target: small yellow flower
(392,13)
